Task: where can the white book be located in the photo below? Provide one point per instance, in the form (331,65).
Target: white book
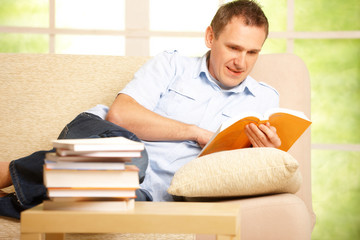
(99,144)
(85,165)
(100,154)
(91,192)
(54,157)
(73,178)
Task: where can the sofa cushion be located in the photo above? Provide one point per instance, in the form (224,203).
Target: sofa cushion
(243,172)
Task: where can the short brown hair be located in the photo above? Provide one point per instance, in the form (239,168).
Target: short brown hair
(249,10)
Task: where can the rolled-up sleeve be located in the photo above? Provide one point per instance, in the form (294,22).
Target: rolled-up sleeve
(152,80)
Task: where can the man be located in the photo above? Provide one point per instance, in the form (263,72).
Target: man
(173,104)
(175,100)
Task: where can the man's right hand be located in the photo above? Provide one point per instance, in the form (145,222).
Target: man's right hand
(203,136)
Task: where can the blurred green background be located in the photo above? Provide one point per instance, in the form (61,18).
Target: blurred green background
(334,66)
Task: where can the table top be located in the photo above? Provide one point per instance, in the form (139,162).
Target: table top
(146,217)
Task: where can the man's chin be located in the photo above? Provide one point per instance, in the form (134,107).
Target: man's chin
(229,85)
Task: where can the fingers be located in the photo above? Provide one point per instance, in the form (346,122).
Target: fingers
(271,134)
(263,135)
(254,134)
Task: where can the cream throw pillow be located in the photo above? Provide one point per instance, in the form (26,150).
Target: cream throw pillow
(243,172)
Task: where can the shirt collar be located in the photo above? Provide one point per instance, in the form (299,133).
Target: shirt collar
(249,84)
(202,66)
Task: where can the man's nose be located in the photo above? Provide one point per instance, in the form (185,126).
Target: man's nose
(240,60)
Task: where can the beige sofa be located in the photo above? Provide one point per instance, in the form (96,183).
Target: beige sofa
(39,94)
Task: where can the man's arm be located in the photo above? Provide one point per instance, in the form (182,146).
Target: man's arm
(150,126)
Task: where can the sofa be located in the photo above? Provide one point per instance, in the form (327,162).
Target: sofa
(40,93)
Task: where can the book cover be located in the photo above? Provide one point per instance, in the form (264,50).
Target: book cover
(289,124)
(84,165)
(127,178)
(100,158)
(99,144)
(98,154)
(90,193)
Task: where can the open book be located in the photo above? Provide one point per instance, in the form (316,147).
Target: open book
(289,124)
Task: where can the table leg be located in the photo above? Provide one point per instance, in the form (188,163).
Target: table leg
(39,236)
(227,237)
(31,236)
(55,236)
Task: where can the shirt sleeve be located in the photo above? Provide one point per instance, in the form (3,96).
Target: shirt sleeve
(269,96)
(152,80)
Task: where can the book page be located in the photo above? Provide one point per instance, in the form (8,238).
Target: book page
(285,110)
(243,115)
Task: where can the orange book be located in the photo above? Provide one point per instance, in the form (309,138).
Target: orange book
(289,124)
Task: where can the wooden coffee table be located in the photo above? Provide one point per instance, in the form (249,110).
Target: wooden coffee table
(222,219)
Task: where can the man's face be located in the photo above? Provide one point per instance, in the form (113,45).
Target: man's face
(234,52)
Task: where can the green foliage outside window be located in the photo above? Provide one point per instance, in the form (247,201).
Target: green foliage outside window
(29,13)
(24,13)
(334,67)
(336,194)
(327,15)
(276,12)
(24,43)
(273,45)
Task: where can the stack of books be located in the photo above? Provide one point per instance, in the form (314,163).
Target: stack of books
(92,174)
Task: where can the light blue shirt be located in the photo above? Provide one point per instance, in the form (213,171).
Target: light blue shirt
(182,88)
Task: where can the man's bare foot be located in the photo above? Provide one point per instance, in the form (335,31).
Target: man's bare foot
(5,178)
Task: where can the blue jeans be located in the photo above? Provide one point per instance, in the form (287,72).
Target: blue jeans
(27,173)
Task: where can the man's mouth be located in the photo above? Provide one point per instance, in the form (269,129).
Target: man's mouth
(235,71)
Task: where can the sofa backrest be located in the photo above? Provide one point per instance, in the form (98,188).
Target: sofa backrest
(40,93)
(289,75)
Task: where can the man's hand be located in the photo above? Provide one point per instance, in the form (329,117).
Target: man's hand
(263,135)
(202,135)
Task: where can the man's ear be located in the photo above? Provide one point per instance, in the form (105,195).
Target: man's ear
(209,37)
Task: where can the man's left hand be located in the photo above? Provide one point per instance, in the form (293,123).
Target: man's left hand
(263,135)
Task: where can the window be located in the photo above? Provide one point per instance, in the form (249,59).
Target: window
(74,27)
(324,33)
